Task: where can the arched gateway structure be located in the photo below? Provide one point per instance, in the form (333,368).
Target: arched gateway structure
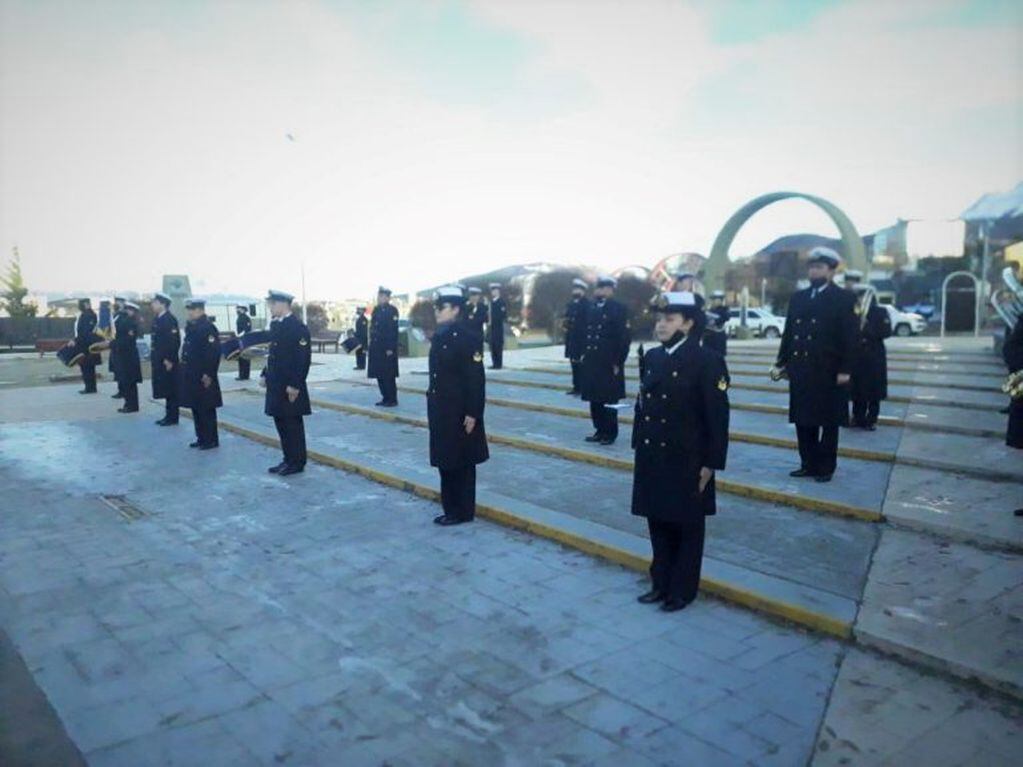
(717,264)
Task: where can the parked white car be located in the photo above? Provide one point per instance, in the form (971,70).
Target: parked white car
(760,321)
(905,323)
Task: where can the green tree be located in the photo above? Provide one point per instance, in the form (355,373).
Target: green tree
(422,316)
(316,318)
(636,294)
(551,292)
(12,298)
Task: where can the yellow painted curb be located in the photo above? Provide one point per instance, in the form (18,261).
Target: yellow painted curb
(610,462)
(819,622)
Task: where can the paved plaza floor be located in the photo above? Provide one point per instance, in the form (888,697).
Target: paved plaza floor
(165,606)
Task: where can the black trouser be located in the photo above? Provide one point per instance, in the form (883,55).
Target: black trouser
(206,426)
(170,409)
(291,430)
(458,492)
(818,448)
(131,396)
(864,411)
(388,388)
(576,367)
(497,353)
(845,406)
(605,420)
(360,360)
(89,377)
(244,368)
(678,556)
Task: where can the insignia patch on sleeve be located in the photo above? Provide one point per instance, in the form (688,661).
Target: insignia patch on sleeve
(722,384)
(302,342)
(477,357)
(212,338)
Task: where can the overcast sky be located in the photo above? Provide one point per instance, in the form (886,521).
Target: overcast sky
(434,139)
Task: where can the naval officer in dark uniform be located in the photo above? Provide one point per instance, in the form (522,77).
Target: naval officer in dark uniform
(454,406)
(128,368)
(242,325)
(200,361)
(383,348)
(495,326)
(575,330)
(715,336)
(816,356)
(287,367)
(165,347)
(680,438)
(869,380)
(85,331)
(602,378)
(361,336)
(116,311)
(476,312)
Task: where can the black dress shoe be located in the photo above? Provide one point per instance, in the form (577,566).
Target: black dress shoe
(801,472)
(1018,512)
(869,427)
(286,470)
(195,444)
(127,410)
(607,440)
(388,404)
(165,422)
(595,438)
(651,597)
(87,391)
(572,393)
(445,521)
(674,604)
(822,478)
(117,396)
(277,469)
(209,446)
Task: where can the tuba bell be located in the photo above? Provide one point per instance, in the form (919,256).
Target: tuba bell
(1007,300)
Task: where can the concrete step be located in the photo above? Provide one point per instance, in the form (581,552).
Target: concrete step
(950,606)
(754,471)
(955,379)
(990,401)
(804,568)
(904,355)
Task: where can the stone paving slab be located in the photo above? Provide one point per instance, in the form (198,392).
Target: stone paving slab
(259,620)
(830,554)
(884,712)
(954,607)
(965,508)
(857,483)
